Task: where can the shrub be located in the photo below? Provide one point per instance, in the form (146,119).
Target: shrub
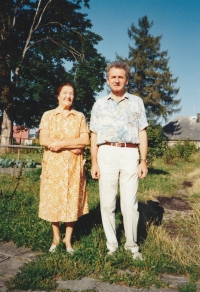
(88,161)
(156,141)
(181,150)
(36,142)
(169,155)
(184,149)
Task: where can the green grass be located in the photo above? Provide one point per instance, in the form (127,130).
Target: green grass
(191,287)
(20,223)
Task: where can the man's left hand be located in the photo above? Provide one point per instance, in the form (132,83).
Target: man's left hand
(142,169)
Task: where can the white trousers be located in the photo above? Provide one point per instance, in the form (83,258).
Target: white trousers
(119,164)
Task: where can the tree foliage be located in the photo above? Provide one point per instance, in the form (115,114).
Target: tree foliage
(44,43)
(150,76)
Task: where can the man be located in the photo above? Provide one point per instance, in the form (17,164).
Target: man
(118,126)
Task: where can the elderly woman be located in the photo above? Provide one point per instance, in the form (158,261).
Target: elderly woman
(64,133)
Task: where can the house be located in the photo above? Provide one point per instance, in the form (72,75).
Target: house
(32,138)
(183,128)
(20,134)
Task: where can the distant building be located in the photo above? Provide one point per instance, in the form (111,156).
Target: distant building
(32,138)
(183,128)
(20,136)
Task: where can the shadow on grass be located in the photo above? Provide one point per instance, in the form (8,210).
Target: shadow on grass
(150,213)
(157,171)
(85,223)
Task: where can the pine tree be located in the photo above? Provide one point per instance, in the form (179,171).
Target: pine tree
(150,76)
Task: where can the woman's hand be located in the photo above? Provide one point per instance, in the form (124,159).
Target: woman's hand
(77,151)
(55,146)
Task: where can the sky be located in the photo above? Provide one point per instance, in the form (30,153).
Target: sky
(178,21)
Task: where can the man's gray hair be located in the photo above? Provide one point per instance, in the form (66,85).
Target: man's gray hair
(118,64)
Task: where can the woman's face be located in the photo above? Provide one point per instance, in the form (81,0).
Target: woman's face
(66,97)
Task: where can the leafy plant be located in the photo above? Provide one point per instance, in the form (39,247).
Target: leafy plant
(28,163)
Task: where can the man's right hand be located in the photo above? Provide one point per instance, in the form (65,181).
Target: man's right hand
(95,172)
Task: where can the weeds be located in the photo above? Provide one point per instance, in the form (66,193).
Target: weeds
(190,287)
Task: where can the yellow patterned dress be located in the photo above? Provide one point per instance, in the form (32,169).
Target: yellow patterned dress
(63,183)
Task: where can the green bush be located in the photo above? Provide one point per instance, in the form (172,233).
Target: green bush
(88,161)
(156,141)
(184,149)
(169,155)
(36,142)
(181,150)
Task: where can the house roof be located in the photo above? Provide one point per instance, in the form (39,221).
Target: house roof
(182,128)
(17,134)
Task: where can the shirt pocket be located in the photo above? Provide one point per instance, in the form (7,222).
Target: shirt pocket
(132,118)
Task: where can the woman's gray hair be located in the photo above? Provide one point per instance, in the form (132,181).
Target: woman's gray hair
(118,64)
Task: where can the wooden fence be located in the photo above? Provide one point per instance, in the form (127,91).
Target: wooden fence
(18,147)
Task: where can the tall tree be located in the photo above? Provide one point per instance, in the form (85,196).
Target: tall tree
(39,39)
(150,76)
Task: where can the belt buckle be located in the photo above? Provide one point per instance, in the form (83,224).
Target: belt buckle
(119,144)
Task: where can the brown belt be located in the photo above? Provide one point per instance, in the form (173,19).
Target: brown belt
(120,144)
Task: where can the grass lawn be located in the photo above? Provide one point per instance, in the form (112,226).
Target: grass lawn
(163,251)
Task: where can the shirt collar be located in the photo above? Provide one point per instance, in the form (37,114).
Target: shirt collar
(57,111)
(125,96)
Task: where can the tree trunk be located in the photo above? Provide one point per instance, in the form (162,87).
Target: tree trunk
(6,132)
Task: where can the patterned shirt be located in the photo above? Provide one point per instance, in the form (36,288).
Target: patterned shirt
(118,122)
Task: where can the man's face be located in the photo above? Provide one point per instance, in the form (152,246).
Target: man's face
(117,80)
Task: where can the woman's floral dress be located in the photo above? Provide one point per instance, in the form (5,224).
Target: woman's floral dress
(63,183)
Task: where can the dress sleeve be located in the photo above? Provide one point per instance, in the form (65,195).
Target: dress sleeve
(84,126)
(44,123)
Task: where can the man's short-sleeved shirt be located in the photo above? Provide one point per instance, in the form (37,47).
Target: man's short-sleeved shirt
(118,122)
